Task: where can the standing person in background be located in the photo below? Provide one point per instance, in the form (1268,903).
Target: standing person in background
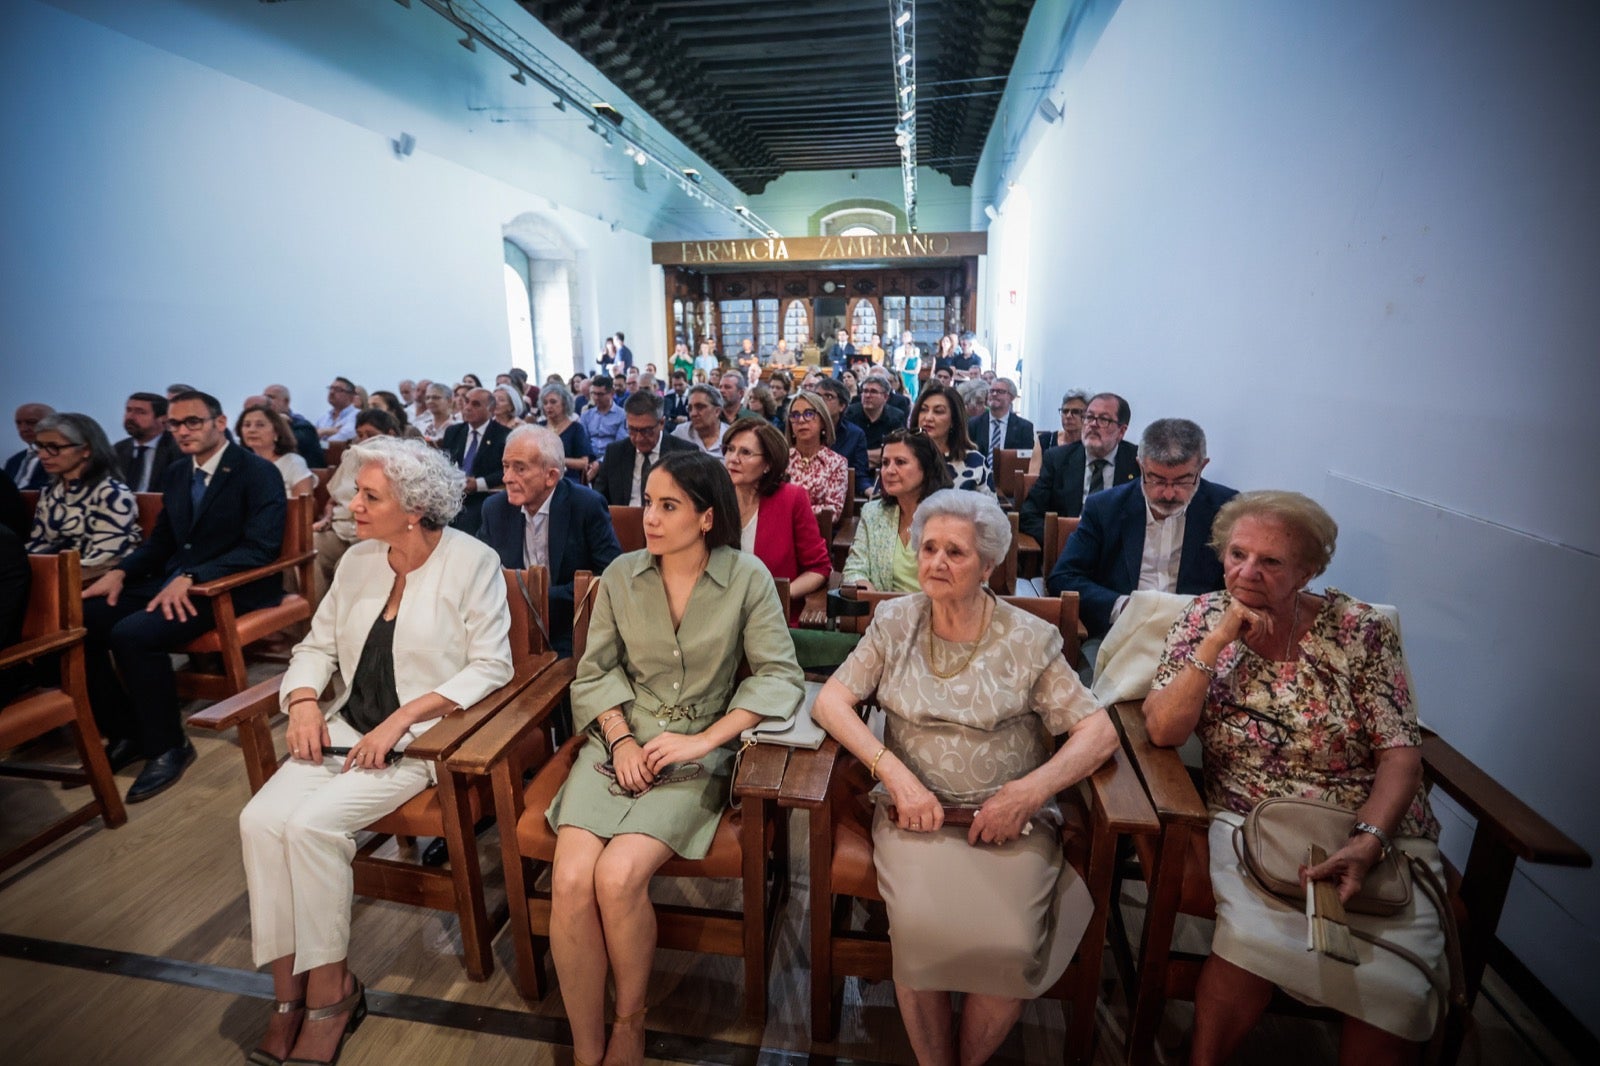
(148,449)
(873,349)
(840,354)
(624,354)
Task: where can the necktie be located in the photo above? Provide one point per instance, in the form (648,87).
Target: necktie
(997,429)
(1097,477)
(140,480)
(644,477)
(471,452)
(197,488)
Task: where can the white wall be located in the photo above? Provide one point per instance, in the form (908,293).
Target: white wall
(1358,243)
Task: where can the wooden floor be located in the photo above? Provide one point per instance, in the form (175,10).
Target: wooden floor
(133,946)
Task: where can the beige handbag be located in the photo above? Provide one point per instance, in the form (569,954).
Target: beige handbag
(1272,845)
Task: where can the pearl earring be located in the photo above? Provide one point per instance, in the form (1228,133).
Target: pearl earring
(409,527)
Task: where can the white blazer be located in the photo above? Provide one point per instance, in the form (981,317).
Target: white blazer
(451,635)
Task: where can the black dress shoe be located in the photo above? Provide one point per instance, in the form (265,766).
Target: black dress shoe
(161,773)
(122,754)
(437,853)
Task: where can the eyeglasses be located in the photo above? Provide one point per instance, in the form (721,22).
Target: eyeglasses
(53,450)
(1072,412)
(193,422)
(802,416)
(741,454)
(999,392)
(1187,481)
(1100,420)
(701,406)
(338,388)
(643,431)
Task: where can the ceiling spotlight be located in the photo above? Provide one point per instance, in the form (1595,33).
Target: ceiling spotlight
(640,158)
(772,233)
(905,17)
(908,116)
(742,209)
(902,138)
(693,175)
(607,112)
(905,90)
(904,59)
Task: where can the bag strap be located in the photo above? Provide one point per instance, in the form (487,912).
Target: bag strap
(527,597)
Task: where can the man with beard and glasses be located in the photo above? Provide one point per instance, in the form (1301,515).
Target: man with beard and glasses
(148,449)
(1073,472)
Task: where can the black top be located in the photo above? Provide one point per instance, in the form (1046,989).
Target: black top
(372,694)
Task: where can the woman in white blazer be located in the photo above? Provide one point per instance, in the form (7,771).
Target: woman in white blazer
(414,626)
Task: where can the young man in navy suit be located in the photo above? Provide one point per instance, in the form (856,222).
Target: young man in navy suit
(222,512)
(475,445)
(1154,533)
(543,518)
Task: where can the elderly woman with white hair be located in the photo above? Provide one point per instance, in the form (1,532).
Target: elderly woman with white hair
(415,626)
(970,685)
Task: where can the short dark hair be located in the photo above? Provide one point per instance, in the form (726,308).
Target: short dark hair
(774,449)
(709,488)
(834,388)
(213,405)
(157,402)
(600,381)
(679,375)
(340,379)
(396,408)
(960,443)
(381,420)
(643,402)
(935,471)
(620,337)
(1124,412)
(283,437)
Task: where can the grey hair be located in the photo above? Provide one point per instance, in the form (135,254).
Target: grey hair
(1076,394)
(517,403)
(1172,442)
(546,444)
(731,372)
(990,527)
(423,478)
(708,392)
(560,392)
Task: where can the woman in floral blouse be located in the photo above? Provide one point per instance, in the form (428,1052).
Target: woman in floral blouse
(85,508)
(1298,694)
(813,464)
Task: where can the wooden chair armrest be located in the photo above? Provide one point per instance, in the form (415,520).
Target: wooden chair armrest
(761,771)
(441,740)
(230,582)
(1165,778)
(807,777)
(259,700)
(527,711)
(1516,825)
(1115,789)
(28,650)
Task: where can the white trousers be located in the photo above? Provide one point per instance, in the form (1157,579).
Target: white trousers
(298,835)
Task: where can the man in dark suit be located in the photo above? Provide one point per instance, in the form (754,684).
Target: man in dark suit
(148,449)
(840,353)
(475,445)
(222,512)
(1153,533)
(24,468)
(848,440)
(999,427)
(873,416)
(675,403)
(627,463)
(543,518)
(1073,472)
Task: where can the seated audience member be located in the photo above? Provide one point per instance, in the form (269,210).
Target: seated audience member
(852,384)
(675,402)
(507,406)
(625,469)
(416,625)
(1298,694)
(335,530)
(761,400)
(437,415)
(545,519)
(392,405)
(23,467)
(339,424)
(945,376)
(307,442)
(603,420)
(975,395)
(872,415)
(813,464)
(361,398)
(472,381)
(731,386)
(406,390)
(848,440)
(1000,426)
(15,515)
(781,385)
(955,736)
(705,426)
(148,449)
(222,512)
(776,522)
(899,399)
(86,508)
(1154,533)
(556,402)
(1070,475)
(1073,405)
(882,556)
(419,402)
(264,432)
(649,784)
(967,360)
(475,445)
(938,415)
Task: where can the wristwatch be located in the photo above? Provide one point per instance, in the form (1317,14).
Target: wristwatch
(1383,838)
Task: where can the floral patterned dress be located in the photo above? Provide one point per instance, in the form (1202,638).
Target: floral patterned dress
(822,476)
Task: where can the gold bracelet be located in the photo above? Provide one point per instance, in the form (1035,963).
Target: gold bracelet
(873,767)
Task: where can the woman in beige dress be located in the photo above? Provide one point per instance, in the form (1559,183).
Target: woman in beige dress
(967,681)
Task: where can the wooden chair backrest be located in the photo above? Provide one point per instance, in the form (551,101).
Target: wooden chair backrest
(55,602)
(825,526)
(629,525)
(30,502)
(1057,528)
(1004,577)
(149,504)
(319,492)
(528,622)
(333,451)
(1009,467)
(849,497)
(1028,482)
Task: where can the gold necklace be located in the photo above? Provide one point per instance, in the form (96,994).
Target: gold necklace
(976,644)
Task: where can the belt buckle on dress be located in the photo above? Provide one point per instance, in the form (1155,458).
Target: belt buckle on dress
(674,712)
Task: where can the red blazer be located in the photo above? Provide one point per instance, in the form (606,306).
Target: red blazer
(788,540)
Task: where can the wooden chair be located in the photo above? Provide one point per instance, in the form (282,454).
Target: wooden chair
(628,522)
(844,529)
(1010,466)
(1004,577)
(830,783)
(333,451)
(319,493)
(53,626)
(750,845)
(450,809)
(233,633)
(149,505)
(1057,528)
(1176,872)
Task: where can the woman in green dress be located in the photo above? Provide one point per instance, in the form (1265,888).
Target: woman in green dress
(656,693)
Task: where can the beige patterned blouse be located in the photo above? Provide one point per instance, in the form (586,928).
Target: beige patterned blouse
(966,736)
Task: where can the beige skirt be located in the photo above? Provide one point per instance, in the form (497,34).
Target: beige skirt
(1267,936)
(1003,921)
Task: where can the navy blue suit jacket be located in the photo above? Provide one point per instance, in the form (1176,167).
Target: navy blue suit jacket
(581,538)
(239,525)
(1102,558)
(850,442)
(13,470)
